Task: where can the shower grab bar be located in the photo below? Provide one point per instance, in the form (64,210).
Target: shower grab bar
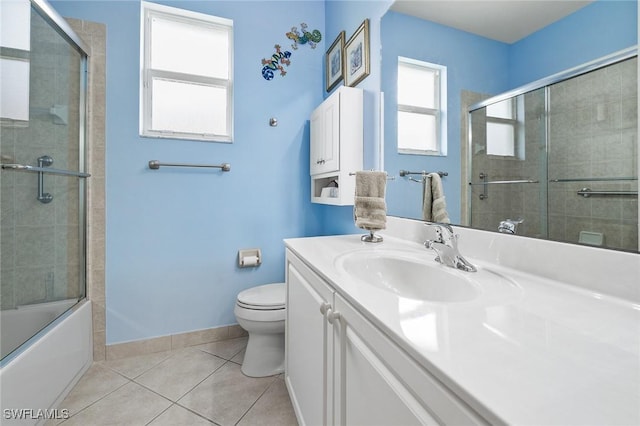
(423,173)
(588,192)
(155,165)
(594,179)
(501,182)
(35,169)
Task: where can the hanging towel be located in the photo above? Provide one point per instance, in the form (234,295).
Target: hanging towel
(434,207)
(369,207)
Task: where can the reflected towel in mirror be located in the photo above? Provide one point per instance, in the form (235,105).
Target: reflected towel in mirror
(434,206)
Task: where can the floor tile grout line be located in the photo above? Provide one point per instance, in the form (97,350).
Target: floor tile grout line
(101,398)
(275,377)
(132,378)
(190,389)
(198,414)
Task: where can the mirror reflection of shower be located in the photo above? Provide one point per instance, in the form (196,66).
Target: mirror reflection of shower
(563,158)
(42,137)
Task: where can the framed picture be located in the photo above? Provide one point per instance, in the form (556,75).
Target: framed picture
(356,56)
(334,62)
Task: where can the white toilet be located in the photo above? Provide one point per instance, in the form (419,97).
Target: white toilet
(261,311)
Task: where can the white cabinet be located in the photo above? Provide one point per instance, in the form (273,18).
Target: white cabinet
(343,370)
(336,146)
(308,344)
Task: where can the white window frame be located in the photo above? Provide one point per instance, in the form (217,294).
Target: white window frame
(148,10)
(439,112)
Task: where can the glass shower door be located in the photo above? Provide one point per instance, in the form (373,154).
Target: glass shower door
(42,234)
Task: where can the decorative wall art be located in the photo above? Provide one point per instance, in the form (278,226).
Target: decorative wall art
(356,56)
(334,62)
(306,37)
(276,62)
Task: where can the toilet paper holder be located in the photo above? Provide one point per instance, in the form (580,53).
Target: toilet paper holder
(248,258)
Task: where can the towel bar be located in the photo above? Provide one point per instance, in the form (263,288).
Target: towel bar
(155,165)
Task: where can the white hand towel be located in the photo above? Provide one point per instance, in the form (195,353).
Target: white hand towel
(369,207)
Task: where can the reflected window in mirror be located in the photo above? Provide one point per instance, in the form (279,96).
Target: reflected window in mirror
(421,107)
(503,128)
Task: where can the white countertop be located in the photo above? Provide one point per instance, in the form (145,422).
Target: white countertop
(553,354)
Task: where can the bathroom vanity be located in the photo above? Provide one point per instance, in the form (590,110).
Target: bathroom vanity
(382,334)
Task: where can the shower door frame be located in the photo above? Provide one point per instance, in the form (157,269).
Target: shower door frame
(61,27)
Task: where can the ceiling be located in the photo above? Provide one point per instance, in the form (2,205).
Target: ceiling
(503,20)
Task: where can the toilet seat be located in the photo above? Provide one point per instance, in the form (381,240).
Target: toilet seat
(268,297)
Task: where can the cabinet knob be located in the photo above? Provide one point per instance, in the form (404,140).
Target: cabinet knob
(324,308)
(332,316)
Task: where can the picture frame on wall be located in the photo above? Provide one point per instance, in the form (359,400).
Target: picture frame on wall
(356,56)
(334,62)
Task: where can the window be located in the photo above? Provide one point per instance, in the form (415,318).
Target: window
(422,105)
(502,128)
(186,88)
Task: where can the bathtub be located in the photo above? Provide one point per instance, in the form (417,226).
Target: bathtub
(38,376)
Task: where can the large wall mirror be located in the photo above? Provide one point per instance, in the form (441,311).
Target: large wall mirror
(536,103)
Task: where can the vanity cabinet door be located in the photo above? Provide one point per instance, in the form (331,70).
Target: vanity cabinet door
(309,344)
(370,392)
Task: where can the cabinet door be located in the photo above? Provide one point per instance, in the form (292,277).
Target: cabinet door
(369,393)
(309,346)
(325,136)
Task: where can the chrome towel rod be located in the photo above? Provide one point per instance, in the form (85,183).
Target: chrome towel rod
(155,165)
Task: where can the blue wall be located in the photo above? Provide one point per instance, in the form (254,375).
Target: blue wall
(596,30)
(173,234)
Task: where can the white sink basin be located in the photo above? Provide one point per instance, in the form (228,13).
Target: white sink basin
(415,275)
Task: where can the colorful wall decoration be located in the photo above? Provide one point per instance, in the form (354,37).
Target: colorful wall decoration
(281,58)
(276,62)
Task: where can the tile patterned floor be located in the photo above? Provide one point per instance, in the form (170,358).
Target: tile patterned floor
(199,385)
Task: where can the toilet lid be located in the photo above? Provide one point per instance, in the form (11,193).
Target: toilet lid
(269,296)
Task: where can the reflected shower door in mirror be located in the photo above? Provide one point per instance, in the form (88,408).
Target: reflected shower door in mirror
(482,64)
(561,162)
(508,164)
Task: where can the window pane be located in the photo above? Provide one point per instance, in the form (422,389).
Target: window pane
(416,132)
(500,139)
(188,108)
(416,86)
(14,86)
(502,109)
(189,47)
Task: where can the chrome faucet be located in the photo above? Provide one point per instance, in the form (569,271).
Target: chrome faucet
(445,244)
